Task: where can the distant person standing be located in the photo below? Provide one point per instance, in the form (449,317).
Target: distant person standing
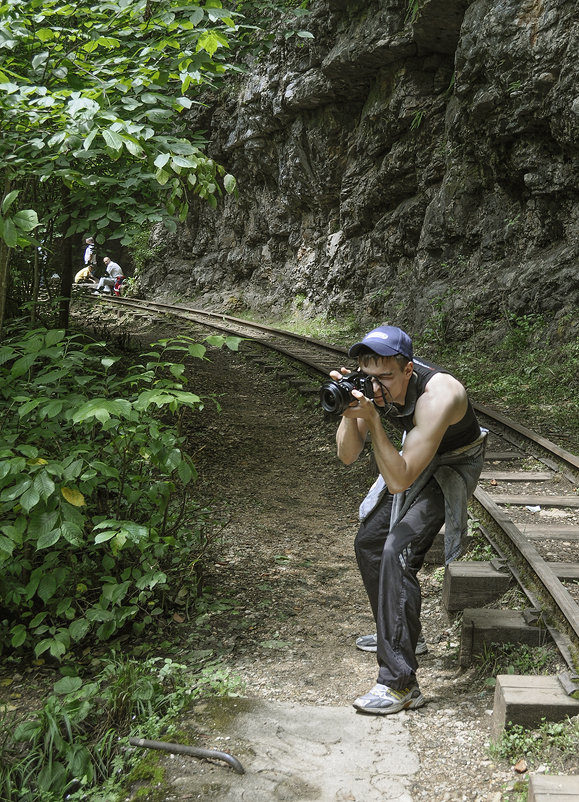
(113,278)
(90,254)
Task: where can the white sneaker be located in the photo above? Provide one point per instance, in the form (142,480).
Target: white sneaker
(382,700)
(367,643)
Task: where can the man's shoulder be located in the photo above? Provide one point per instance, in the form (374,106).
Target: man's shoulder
(442,384)
(443,395)
(444,399)
(432,376)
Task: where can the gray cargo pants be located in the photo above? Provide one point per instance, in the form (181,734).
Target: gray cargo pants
(389,562)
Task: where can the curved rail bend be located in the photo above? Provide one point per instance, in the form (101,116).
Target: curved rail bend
(322,357)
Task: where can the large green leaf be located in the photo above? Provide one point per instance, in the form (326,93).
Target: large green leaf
(19,635)
(72,533)
(22,365)
(230,183)
(102,537)
(41,522)
(47,587)
(29,499)
(43,485)
(9,200)
(6,547)
(48,540)
(79,628)
(16,490)
(102,409)
(8,232)
(26,220)
(112,139)
(67,685)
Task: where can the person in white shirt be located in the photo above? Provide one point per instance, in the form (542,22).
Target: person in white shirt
(90,254)
(113,278)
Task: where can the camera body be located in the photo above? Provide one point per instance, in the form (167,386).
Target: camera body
(336,396)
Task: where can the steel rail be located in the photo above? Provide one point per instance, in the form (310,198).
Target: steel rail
(539,567)
(188,312)
(567,456)
(232,325)
(225,322)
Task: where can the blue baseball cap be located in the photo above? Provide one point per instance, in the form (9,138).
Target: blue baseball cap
(384,341)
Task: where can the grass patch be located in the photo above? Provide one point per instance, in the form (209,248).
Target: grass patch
(343,331)
(513,658)
(479,549)
(553,745)
(76,745)
(528,373)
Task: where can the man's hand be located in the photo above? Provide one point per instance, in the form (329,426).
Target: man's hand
(363,409)
(336,375)
(353,428)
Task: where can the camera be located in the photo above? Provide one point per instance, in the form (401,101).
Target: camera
(335,396)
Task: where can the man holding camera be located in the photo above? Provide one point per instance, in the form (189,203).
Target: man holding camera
(425,484)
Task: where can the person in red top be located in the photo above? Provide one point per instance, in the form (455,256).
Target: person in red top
(114,278)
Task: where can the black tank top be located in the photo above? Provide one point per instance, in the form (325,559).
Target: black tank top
(457,435)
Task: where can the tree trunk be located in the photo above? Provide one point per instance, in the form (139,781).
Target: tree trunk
(36,275)
(4,256)
(35,288)
(66,275)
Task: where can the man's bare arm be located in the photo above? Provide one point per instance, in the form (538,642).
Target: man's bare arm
(352,431)
(350,439)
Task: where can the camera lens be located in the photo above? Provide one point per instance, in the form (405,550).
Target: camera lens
(335,396)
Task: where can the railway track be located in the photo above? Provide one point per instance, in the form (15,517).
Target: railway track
(527,500)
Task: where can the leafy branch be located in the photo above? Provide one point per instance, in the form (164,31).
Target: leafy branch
(96,507)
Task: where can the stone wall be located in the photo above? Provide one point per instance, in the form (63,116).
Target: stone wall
(399,169)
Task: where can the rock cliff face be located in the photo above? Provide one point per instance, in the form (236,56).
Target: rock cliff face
(402,169)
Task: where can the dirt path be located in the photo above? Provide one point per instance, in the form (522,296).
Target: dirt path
(286,559)
(271,470)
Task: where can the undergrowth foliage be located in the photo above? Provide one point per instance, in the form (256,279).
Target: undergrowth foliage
(76,746)
(552,743)
(98,529)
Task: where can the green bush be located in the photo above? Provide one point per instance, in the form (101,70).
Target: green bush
(76,745)
(97,525)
